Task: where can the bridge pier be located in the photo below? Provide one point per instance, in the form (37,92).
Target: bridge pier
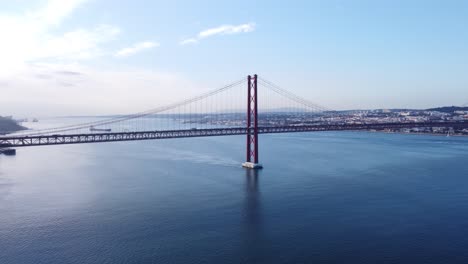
(252,124)
(252,165)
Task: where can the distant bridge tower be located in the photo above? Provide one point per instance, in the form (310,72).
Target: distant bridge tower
(252,124)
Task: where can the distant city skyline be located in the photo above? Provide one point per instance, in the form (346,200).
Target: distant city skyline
(111,57)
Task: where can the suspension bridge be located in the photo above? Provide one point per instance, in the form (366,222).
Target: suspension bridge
(250,107)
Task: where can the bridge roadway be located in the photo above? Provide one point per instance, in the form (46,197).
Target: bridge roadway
(42,140)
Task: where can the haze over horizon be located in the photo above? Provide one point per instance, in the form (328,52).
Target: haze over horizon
(95,57)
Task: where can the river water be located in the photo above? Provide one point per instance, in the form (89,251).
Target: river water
(329,197)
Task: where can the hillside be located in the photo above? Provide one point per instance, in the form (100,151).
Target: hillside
(449,109)
(7,125)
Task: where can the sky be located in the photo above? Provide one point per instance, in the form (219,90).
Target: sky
(80,57)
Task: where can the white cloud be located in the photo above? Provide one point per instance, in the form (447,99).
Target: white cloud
(227,29)
(78,44)
(42,70)
(28,37)
(136,48)
(221,30)
(55,11)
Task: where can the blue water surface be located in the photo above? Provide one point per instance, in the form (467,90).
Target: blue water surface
(328,197)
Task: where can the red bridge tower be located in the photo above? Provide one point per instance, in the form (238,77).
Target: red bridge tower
(252,124)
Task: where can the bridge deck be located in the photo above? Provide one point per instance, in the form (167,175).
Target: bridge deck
(41,140)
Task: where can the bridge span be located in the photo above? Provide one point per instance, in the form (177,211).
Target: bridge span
(44,140)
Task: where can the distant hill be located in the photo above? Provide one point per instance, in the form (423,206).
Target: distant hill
(449,109)
(8,125)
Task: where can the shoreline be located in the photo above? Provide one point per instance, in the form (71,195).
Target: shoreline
(414,133)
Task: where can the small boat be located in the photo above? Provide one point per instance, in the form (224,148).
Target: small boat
(35,120)
(8,152)
(92,128)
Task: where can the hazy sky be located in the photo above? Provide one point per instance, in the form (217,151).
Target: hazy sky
(109,56)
